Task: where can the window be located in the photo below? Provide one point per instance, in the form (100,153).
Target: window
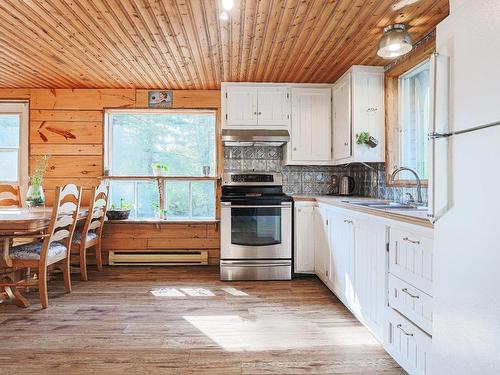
(414,107)
(14,143)
(184,141)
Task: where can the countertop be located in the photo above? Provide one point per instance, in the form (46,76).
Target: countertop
(408,216)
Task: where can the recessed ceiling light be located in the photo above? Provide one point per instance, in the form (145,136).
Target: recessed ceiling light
(228,4)
(395,42)
(224,16)
(403,3)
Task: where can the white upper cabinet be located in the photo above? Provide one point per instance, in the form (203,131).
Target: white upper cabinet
(342,118)
(358,107)
(273,107)
(241,106)
(255,106)
(311,130)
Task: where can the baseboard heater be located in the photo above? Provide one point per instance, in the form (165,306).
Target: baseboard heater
(158,258)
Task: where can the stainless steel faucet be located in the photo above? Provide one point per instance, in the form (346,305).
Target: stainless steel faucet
(419,184)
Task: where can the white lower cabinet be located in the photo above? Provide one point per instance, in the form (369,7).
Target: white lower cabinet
(321,244)
(380,269)
(369,278)
(304,237)
(351,261)
(411,302)
(407,344)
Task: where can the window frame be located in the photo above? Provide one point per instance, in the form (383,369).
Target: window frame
(20,108)
(401,115)
(162,180)
(392,107)
(108,136)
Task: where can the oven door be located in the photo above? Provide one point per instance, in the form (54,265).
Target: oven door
(256,231)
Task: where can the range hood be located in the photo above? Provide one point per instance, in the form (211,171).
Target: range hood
(255,137)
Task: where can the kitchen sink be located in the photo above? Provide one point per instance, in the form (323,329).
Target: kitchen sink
(387,205)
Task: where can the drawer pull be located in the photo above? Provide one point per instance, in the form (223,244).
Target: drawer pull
(411,241)
(348,221)
(402,330)
(405,290)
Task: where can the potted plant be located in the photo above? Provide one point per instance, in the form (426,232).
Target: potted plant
(161,213)
(364,138)
(35,196)
(159,169)
(119,213)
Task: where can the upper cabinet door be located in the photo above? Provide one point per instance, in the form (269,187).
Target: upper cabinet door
(368,114)
(272,106)
(342,118)
(241,106)
(311,124)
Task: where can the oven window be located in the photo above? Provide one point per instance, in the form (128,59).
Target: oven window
(259,226)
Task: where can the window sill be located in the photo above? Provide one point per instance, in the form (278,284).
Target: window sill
(155,220)
(179,178)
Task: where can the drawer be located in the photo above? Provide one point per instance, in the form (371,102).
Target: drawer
(410,259)
(411,302)
(407,344)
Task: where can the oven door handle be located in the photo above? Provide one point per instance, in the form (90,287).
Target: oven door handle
(256,263)
(283,205)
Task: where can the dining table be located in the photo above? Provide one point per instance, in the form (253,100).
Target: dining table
(14,224)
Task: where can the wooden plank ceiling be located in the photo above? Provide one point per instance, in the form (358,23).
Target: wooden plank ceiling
(182,44)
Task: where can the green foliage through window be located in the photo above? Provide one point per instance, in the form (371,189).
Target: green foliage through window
(183,142)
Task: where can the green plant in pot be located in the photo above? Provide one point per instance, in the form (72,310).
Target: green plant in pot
(161,213)
(159,169)
(364,138)
(35,196)
(120,212)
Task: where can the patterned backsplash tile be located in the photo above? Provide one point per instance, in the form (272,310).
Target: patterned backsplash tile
(314,179)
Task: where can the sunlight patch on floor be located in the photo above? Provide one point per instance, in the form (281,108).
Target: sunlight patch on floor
(193,292)
(234,333)
(234,292)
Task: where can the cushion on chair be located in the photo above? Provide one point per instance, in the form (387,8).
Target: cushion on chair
(31,251)
(77,236)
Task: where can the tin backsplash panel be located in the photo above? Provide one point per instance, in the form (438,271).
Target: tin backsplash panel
(314,180)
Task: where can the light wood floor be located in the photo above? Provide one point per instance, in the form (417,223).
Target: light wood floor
(114,324)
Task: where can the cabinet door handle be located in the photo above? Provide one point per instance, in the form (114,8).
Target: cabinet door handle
(260,113)
(411,241)
(405,290)
(255,113)
(402,330)
(346,143)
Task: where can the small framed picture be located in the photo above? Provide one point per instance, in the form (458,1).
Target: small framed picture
(160,99)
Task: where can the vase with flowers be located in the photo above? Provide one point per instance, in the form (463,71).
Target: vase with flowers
(35,196)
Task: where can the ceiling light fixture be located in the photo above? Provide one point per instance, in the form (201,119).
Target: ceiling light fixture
(228,4)
(224,16)
(395,42)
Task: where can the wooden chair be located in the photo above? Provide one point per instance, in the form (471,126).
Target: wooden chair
(10,196)
(56,245)
(90,235)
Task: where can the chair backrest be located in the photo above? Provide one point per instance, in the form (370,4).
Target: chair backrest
(10,196)
(97,211)
(64,217)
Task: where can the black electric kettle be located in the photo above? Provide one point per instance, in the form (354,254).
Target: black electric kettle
(346,185)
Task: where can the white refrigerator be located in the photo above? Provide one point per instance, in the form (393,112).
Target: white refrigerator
(465,191)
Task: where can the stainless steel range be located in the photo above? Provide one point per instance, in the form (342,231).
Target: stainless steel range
(256,227)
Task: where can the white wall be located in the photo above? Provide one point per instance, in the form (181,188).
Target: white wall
(466,331)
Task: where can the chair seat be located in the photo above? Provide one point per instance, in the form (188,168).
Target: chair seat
(77,236)
(31,251)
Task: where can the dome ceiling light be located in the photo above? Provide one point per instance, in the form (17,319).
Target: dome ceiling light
(395,42)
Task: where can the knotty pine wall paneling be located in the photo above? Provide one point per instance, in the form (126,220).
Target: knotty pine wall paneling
(68,124)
